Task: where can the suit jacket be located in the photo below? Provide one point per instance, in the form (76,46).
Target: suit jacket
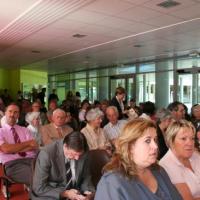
(114,186)
(49,179)
(115,103)
(50,134)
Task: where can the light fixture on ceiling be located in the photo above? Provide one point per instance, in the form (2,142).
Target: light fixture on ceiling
(168,4)
(79,35)
(138,45)
(35,51)
(194,53)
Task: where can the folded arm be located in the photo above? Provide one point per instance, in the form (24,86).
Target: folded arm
(19,147)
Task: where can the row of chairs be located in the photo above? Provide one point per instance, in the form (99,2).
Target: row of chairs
(98,157)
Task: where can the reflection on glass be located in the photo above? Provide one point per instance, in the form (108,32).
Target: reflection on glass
(185,89)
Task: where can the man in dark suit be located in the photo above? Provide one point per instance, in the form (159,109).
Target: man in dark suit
(52,180)
(117,101)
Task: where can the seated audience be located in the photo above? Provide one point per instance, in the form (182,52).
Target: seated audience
(163,119)
(33,119)
(57,129)
(195,116)
(94,134)
(2,108)
(52,105)
(18,148)
(148,110)
(103,107)
(62,170)
(84,108)
(25,107)
(132,113)
(114,127)
(177,109)
(71,121)
(133,172)
(182,161)
(36,105)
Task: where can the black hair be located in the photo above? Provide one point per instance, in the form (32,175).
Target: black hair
(174,106)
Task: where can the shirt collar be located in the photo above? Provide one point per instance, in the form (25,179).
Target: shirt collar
(113,125)
(175,159)
(9,127)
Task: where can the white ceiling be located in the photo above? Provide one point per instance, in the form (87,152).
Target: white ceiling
(112,29)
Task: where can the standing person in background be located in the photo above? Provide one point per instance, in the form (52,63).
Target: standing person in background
(41,96)
(53,96)
(117,101)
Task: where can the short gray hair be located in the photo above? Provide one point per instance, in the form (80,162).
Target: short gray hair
(163,114)
(94,113)
(174,128)
(58,110)
(112,108)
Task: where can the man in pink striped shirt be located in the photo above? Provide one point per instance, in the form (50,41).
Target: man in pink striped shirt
(17,147)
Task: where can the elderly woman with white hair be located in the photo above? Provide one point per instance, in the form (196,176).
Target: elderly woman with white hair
(94,134)
(182,161)
(34,121)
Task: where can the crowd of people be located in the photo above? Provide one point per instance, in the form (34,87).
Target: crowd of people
(154,153)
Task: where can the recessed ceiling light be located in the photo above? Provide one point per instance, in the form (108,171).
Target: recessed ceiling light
(138,45)
(35,51)
(79,35)
(168,4)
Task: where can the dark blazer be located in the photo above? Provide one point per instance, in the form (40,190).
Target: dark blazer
(115,103)
(113,186)
(49,179)
(162,147)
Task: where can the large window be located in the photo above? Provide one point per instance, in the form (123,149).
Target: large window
(162,81)
(145,87)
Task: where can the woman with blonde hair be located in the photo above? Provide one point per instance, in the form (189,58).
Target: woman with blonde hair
(182,162)
(133,172)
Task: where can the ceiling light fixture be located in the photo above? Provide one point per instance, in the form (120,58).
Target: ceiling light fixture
(79,35)
(168,4)
(138,45)
(35,51)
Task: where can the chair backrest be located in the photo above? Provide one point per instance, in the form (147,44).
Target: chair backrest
(98,158)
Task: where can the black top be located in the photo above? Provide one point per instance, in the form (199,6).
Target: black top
(162,147)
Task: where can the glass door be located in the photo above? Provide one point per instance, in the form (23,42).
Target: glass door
(185,91)
(188,90)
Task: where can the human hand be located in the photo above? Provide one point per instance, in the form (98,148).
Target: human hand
(33,144)
(73,194)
